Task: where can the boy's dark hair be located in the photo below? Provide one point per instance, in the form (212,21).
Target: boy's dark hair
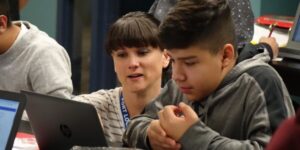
(5,10)
(135,29)
(207,23)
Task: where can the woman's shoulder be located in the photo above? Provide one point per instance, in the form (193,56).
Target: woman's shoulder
(100,97)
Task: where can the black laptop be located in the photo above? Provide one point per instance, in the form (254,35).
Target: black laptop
(61,124)
(11,108)
(292,49)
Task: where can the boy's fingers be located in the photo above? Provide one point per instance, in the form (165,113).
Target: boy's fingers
(162,141)
(158,137)
(186,109)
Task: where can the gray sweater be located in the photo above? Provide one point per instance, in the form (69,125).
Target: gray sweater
(36,62)
(242,113)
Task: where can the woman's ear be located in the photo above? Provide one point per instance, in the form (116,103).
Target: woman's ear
(3,23)
(166,59)
(113,59)
(228,55)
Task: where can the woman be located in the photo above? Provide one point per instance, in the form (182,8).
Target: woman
(139,60)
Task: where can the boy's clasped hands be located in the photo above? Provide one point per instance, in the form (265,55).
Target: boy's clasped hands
(173,122)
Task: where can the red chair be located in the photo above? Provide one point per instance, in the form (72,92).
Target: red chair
(287,136)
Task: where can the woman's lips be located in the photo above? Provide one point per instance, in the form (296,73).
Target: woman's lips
(135,76)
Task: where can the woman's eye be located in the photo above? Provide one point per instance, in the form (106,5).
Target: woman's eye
(121,54)
(143,51)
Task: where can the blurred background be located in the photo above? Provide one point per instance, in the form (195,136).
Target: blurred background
(80,26)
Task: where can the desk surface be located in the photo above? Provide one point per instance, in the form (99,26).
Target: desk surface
(25,141)
(288,64)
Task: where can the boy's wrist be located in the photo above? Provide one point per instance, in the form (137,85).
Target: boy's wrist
(262,46)
(148,145)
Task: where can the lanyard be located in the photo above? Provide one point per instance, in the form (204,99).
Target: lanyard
(124,111)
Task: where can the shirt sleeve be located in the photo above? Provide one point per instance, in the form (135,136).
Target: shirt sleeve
(200,136)
(50,72)
(135,134)
(261,51)
(265,107)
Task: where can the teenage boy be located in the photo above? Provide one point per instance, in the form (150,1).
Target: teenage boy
(213,102)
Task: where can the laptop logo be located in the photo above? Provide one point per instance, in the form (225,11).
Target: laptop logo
(65,130)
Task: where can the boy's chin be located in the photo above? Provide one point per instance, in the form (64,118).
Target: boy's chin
(191,97)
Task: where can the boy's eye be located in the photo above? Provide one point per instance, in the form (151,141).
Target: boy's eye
(190,63)
(172,60)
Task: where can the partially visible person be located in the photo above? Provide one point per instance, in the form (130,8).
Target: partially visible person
(249,50)
(270,41)
(287,135)
(31,60)
(214,101)
(241,11)
(139,60)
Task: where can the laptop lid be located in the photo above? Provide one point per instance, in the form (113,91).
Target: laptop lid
(61,124)
(11,109)
(292,49)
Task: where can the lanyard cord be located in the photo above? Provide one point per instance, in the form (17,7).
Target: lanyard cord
(124,111)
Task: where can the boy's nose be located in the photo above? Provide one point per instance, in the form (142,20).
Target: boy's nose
(178,77)
(177,74)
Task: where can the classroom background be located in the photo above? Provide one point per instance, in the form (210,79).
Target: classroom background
(81,26)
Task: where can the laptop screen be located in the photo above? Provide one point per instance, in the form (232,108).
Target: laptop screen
(296,36)
(8,110)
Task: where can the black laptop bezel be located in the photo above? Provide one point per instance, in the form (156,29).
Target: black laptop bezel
(12,96)
(62,101)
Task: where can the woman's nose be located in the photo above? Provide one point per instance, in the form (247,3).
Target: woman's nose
(133,63)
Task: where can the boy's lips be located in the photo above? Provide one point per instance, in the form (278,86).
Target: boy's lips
(186,89)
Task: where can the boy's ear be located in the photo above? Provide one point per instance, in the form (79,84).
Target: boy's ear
(228,55)
(166,59)
(3,23)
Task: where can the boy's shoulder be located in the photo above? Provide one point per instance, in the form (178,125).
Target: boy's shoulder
(39,44)
(38,39)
